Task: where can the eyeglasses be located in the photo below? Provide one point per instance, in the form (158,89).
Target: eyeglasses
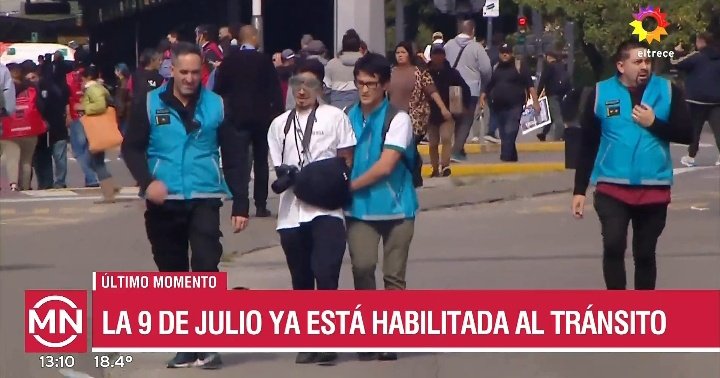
(367,84)
(296,82)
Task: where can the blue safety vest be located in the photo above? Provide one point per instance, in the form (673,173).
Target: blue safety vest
(629,154)
(188,164)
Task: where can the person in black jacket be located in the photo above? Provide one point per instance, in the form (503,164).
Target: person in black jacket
(702,83)
(439,130)
(249,84)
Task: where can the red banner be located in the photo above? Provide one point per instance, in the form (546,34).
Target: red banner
(160,312)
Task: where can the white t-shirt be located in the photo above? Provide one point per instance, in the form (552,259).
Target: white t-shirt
(400,133)
(331,131)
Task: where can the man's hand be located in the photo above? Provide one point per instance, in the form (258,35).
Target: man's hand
(644,115)
(447,116)
(156,192)
(578,206)
(536,106)
(239,223)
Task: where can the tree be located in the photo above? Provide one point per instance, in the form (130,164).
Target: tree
(602,24)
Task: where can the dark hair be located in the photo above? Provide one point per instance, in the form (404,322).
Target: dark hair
(28,66)
(91,72)
(147,57)
(163,45)
(350,43)
(623,50)
(409,48)
(707,37)
(185,48)
(374,64)
(312,66)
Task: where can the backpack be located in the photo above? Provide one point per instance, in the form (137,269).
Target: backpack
(166,68)
(27,121)
(414,167)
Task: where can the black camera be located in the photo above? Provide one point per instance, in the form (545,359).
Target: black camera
(286,175)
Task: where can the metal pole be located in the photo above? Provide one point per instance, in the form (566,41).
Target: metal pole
(257,21)
(399,21)
(570,44)
(488,37)
(538,31)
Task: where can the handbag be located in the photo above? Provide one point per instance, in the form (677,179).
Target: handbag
(456,100)
(102,131)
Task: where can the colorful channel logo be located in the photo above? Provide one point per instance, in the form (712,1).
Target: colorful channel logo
(655,14)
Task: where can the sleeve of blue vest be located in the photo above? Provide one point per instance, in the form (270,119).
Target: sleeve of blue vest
(678,129)
(235,165)
(135,145)
(590,143)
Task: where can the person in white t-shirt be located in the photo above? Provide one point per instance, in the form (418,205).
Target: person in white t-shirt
(313,239)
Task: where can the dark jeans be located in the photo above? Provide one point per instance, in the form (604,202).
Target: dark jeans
(699,114)
(507,120)
(175,224)
(557,119)
(256,136)
(648,223)
(314,253)
(462,129)
(95,162)
(45,155)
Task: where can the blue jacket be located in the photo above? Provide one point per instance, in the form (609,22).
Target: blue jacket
(186,161)
(629,154)
(391,198)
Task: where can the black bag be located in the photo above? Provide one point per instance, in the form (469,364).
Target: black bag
(325,184)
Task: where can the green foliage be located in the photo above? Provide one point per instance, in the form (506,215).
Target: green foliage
(606,22)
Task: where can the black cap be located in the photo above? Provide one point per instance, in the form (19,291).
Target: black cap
(505,48)
(437,48)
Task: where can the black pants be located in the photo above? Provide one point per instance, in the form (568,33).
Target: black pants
(648,222)
(699,114)
(175,224)
(314,253)
(257,138)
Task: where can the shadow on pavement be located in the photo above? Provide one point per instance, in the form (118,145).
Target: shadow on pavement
(25,267)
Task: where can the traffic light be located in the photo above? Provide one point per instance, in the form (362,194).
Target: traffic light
(522,22)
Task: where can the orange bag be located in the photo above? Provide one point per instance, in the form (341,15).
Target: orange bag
(102,131)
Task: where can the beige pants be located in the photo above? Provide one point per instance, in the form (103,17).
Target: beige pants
(441,135)
(17,155)
(363,240)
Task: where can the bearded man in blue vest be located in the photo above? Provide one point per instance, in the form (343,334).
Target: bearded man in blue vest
(171,149)
(627,127)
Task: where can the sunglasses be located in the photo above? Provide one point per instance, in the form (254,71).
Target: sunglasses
(297,81)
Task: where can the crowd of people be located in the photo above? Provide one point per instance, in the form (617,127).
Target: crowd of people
(342,137)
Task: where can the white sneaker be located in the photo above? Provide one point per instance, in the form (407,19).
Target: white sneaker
(717,163)
(687,161)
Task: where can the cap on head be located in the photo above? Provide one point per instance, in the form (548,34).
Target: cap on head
(437,35)
(436,49)
(505,48)
(316,47)
(287,54)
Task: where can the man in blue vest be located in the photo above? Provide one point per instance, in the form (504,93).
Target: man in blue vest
(171,149)
(627,127)
(384,202)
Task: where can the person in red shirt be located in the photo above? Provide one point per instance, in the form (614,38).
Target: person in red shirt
(631,119)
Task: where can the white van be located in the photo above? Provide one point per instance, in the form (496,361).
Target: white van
(20,52)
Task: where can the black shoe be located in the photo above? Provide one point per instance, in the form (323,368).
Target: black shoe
(387,357)
(446,172)
(367,356)
(327,358)
(183,360)
(306,358)
(263,212)
(209,361)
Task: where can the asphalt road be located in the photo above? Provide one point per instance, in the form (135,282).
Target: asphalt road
(520,244)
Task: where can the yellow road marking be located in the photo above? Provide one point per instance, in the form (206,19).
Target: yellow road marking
(4,212)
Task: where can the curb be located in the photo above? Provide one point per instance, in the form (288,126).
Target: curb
(460,170)
(483,148)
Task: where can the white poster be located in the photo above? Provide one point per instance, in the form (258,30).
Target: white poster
(491,8)
(529,121)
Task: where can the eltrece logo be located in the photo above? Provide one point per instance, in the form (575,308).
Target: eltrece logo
(56,321)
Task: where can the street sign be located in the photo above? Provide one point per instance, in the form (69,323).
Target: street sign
(34,37)
(491,8)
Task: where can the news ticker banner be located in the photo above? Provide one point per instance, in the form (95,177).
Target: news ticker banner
(158,312)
